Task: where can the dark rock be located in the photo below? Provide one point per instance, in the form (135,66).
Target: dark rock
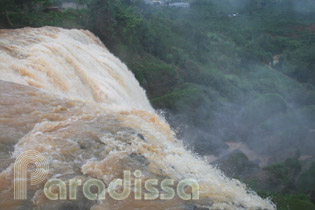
(140,159)
(237,165)
(141,136)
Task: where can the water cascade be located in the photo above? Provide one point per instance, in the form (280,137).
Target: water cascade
(66,96)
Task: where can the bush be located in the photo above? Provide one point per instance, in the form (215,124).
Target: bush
(156,76)
(306,181)
(292,202)
(264,107)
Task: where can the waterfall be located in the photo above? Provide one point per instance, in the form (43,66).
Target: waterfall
(66,96)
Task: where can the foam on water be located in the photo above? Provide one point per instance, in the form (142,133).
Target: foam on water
(79,105)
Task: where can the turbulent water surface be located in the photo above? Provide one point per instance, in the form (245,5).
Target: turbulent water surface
(65,95)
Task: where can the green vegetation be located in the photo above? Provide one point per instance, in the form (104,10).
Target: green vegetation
(237,165)
(269,105)
(292,202)
(297,190)
(38,13)
(285,173)
(306,182)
